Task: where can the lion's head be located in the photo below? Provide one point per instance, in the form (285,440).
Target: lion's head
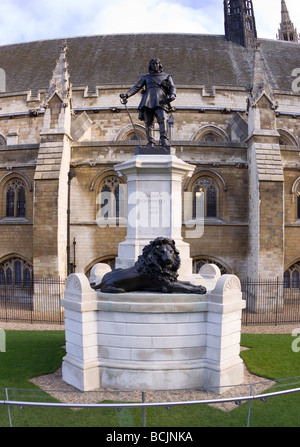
(160,259)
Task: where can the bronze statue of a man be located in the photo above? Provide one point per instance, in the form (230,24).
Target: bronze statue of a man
(159,92)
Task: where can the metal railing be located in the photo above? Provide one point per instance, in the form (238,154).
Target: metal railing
(267,302)
(270,302)
(37,302)
(143,406)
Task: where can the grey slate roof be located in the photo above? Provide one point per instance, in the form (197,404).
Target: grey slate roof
(120,59)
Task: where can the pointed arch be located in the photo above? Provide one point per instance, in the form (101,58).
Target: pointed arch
(108,259)
(128,133)
(292,276)
(17,174)
(16,270)
(206,172)
(14,201)
(286,138)
(211,187)
(210,133)
(295,186)
(199,261)
(101,176)
(110,197)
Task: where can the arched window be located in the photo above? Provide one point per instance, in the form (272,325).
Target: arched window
(295,191)
(129,133)
(15,199)
(16,271)
(209,189)
(286,138)
(111,199)
(292,277)
(210,134)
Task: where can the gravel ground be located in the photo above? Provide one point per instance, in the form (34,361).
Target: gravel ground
(262,329)
(19,326)
(54,385)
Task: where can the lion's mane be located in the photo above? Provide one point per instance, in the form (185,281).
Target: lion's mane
(148,264)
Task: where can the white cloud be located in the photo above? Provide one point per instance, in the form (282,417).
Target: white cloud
(41,19)
(151,16)
(25,20)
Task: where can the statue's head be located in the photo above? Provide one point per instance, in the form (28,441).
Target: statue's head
(155,66)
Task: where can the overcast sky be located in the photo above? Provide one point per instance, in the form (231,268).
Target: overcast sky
(27,20)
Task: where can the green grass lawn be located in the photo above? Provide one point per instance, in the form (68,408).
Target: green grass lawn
(33,353)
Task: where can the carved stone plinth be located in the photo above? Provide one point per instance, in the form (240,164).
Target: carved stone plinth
(154,206)
(151,341)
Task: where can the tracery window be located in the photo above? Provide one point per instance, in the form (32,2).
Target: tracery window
(207,187)
(210,137)
(292,277)
(15,199)
(130,134)
(210,134)
(16,271)
(111,198)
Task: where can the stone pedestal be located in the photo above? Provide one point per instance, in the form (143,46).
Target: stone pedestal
(154,206)
(150,341)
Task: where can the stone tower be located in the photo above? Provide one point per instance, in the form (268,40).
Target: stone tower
(287,30)
(240,24)
(266,181)
(51,176)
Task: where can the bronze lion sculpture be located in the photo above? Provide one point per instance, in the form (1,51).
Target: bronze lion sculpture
(155,271)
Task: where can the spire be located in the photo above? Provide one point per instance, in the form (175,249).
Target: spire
(58,99)
(285,17)
(287,30)
(260,81)
(60,82)
(240,24)
(261,103)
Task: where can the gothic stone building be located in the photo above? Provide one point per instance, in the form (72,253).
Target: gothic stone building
(236,118)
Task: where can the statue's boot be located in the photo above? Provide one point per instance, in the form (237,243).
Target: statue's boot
(149,133)
(163,135)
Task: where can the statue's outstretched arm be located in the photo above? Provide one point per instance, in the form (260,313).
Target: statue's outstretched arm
(136,88)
